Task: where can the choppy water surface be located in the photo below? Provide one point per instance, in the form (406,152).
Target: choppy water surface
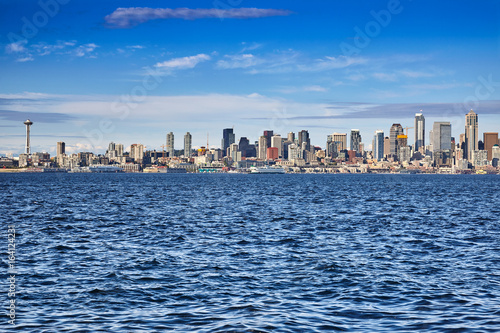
(260,253)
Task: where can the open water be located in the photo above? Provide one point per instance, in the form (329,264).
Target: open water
(252,253)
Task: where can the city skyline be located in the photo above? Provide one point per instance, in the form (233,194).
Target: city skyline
(87,75)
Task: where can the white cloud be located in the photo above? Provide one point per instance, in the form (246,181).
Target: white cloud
(356,77)
(329,63)
(435,86)
(315,88)
(43,49)
(28,52)
(385,77)
(281,62)
(16,47)
(85,50)
(183,63)
(238,61)
(129,17)
(25,59)
(294,90)
(416,74)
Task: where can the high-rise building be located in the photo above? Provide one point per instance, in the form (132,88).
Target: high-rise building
(277,142)
(294,153)
(304,138)
(341,140)
(495,155)
(419,131)
(402,142)
(378,145)
(268,134)
(119,149)
(234,153)
(228,138)
(60,153)
(471,134)
(490,139)
(387,146)
(291,137)
(262,148)
(396,129)
(170,145)
(355,140)
(60,149)
(441,132)
(187,144)
(272,153)
(137,152)
(115,150)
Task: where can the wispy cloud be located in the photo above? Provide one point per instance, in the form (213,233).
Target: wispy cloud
(315,88)
(28,52)
(85,50)
(286,62)
(16,47)
(129,17)
(238,61)
(388,77)
(43,49)
(436,86)
(293,90)
(182,63)
(329,63)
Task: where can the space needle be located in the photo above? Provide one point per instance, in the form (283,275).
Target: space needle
(28,123)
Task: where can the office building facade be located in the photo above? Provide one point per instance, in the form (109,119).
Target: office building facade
(471,134)
(419,131)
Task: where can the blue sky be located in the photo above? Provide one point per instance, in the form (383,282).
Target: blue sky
(89,72)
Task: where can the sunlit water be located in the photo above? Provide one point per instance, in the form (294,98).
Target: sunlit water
(259,253)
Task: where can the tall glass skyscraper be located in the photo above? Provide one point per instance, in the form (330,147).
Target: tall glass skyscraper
(304,138)
(396,129)
(419,131)
(227,139)
(378,145)
(187,144)
(170,144)
(470,134)
(441,136)
(355,140)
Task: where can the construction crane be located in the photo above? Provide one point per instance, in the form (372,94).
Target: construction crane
(407,128)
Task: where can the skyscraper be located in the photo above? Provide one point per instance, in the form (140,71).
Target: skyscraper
(490,139)
(341,140)
(268,134)
(277,142)
(355,140)
(170,145)
(137,152)
(262,148)
(419,131)
(396,129)
(60,149)
(378,145)
(441,136)
(387,146)
(291,137)
(471,134)
(402,142)
(227,139)
(304,138)
(187,144)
